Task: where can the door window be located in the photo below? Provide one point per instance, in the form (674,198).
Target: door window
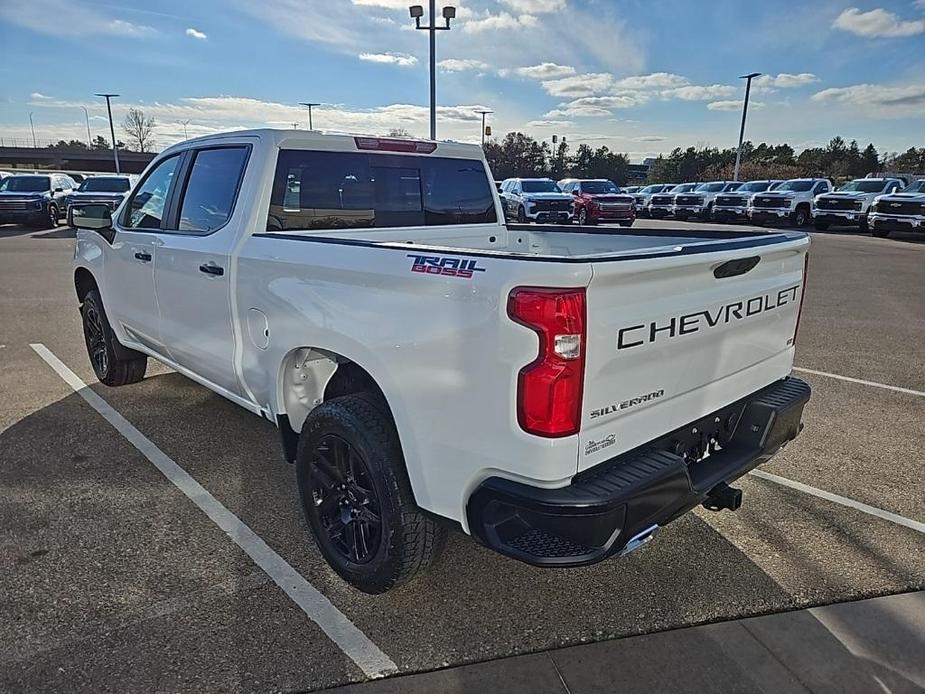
(146,208)
(211,189)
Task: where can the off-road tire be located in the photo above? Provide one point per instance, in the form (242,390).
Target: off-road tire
(107,357)
(409,541)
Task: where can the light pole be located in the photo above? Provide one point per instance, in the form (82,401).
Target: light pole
(484,113)
(112,130)
(309,104)
(32,125)
(748,88)
(449,12)
(87,118)
(184,123)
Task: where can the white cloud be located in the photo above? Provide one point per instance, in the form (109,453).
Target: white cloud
(400,59)
(878,100)
(733,105)
(577,111)
(67,18)
(877,23)
(38,96)
(655,80)
(579,85)
(196,34)
(535,6)
(387,4)
(785,80)
(700,93)
(550,124)
(625,100)
(504,20)
(545,71)
(462,64)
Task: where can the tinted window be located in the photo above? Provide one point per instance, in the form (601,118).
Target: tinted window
(334,190)
(26,184)
(539,186)
(146,209)
(598,187)
(864,185)
(710,187)
(754,187)
(211,188)
(104,184)
(797,186)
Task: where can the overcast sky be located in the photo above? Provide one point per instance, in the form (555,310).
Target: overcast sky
(640,76)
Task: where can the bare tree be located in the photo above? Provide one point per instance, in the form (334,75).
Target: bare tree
(398,132)
(140,129)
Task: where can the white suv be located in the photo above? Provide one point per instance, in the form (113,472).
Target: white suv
(792,201)
(536,200)
(699,202)
(848,205)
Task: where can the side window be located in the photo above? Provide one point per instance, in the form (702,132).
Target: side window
(145,210)
(211,188)
(821,188)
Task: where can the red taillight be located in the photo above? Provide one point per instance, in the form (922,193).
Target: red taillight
(802,296)
(386,145)
(549,388)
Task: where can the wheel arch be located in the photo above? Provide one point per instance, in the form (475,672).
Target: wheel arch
(84,283)
(310,376)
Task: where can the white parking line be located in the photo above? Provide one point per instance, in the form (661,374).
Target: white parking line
(874,384)
(843,500)
(348,637)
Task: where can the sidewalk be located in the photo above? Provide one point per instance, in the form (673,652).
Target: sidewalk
(875,645)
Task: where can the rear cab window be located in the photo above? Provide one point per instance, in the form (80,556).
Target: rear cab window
(359,190)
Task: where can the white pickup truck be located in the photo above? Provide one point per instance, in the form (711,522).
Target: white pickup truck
(849,204)
(559,394)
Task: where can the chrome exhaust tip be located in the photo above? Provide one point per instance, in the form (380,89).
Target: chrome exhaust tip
(639,539)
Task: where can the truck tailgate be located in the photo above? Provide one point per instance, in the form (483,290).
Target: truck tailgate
(671,340)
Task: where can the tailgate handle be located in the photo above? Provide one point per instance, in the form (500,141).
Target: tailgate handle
(734,268)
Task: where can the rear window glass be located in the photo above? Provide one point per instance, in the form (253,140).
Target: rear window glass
(350,190)
(104,184)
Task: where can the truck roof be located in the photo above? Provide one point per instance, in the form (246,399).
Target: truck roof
(331,141)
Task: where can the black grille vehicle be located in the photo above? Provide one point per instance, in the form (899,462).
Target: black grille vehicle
(900,207)
(688,200)
(731,200)
(838,204)
(771,202)
(662,200)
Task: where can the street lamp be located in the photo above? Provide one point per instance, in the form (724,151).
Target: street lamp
(748,88)
(32,125)
(449,12)
(309,104)
(87,118)
(484,113)
(112,130)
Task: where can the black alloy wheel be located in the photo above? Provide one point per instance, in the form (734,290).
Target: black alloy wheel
(345,500)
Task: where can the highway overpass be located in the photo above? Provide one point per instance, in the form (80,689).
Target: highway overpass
(72,159)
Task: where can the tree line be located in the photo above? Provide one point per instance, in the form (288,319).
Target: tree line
(517,154)
(138,128)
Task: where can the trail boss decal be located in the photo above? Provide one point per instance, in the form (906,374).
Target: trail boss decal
(677,326)
(445,265)
(626,404)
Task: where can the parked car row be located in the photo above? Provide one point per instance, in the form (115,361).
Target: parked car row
(879,204)
(43,199)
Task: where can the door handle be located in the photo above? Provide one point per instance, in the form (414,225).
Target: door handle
(143,257)
(212,269)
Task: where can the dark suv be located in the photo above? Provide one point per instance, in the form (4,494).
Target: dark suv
(36,199)
(105,189)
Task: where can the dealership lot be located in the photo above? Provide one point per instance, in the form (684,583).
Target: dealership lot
(115,580)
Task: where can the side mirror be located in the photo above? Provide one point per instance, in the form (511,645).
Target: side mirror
(94,217)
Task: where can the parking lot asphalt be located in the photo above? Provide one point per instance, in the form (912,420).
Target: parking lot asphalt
(112,580)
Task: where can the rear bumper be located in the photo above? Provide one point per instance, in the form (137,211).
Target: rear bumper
(614,507)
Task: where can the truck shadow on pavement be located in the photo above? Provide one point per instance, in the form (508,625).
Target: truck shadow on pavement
(110,564)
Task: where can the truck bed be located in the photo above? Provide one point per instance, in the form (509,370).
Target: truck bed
(555,243)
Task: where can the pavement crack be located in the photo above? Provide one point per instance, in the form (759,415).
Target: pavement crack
(559,673)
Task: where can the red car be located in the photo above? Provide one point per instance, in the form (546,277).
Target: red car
(599,200)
